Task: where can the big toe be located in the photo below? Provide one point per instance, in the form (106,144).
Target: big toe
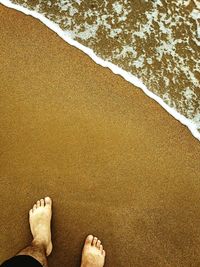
(88,240)
(48,201)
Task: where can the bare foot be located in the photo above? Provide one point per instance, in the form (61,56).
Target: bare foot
(93,254)
(40,223)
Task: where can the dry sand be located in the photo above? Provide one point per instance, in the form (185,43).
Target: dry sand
(114,162)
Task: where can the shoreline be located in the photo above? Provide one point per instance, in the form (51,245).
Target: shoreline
(115,69)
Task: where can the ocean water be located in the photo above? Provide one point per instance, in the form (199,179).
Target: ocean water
(154,44)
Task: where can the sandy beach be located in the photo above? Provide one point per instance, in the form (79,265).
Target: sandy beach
(115,163)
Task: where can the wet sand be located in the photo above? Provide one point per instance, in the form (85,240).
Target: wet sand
(114,162)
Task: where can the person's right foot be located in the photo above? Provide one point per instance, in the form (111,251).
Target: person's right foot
(93,254)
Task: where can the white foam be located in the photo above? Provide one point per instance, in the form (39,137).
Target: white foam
(127,76)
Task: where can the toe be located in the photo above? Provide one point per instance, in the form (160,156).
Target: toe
(104,253)
(98,244)
(38,204)
(42,202)
(101,248)
(34,207)
(94,241)
(89,239)
(48,201)
(30,211)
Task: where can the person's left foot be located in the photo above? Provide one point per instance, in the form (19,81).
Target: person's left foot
(40,223)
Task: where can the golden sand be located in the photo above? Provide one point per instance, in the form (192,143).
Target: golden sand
(114,162)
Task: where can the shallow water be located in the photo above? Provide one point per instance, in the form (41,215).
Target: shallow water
(152,44)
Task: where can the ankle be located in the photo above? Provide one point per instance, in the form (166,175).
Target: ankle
(37,242)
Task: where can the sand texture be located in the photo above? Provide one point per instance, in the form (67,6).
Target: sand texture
(115,163)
